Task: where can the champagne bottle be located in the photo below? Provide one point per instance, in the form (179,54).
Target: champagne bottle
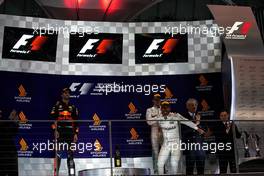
(117,157)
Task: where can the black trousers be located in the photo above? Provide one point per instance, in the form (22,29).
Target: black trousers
(65,136)
(195,158)
(224,160)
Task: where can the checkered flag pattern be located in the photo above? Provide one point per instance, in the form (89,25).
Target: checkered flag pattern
(204,51)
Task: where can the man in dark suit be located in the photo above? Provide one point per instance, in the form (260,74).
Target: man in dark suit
(223,132)
(193,157)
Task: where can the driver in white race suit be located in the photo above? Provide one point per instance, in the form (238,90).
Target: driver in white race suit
(156,134)
(169,123)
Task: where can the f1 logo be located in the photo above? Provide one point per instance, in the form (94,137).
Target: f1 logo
(102,47)
(244,30)
(35,45)
(154,45)
(89,45)
(167,47)
(83,88)
(23,41)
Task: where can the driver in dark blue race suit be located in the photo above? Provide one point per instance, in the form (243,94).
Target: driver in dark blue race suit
(65,130)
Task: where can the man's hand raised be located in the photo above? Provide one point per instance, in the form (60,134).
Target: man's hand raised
(200,131)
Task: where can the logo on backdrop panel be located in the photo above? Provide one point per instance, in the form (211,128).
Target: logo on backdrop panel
(203,84)
(169,97)
(135,138)
(161,48)
(98,150)
(23,121)
(26,44)
(22,95)
(239,30)
(133,112)
(96,48)
(24,148)
(79,89)
(205,108)
(97,124)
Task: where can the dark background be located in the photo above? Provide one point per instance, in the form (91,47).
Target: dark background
(12,36)
(112,56)
(179,53)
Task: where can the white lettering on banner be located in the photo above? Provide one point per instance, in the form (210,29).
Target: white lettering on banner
(21,52)
(153,55)
(87,55)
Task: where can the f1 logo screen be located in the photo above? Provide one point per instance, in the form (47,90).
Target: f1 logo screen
(21,43)
(161,48)
(96,48)
(239,30)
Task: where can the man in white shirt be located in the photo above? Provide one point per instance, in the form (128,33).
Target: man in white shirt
(156,134)
(169,123)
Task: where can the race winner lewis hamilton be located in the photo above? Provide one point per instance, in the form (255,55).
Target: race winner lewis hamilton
(169,123)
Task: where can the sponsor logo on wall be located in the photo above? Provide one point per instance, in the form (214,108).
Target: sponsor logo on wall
(97,126)
(96,48)
(135,138)
(133,112)
(79,89)
(169,97)
(203,84)
(161,48)
(23,121)
(24,149)
(26,44)
(98,150)
(239,30)
(22,96)
(205,108)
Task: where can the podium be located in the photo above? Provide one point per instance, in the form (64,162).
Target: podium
(252,164)
(116,171)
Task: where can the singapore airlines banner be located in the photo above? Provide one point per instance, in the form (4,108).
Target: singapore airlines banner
(112,69)
(100,98)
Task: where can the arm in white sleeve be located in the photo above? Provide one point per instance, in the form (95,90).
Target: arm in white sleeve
(150,120)
(186,122)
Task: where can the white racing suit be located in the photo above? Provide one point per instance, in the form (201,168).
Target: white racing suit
(171,139)
(156,134)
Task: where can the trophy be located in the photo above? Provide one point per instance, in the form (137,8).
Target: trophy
(256,140)
(245,139)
